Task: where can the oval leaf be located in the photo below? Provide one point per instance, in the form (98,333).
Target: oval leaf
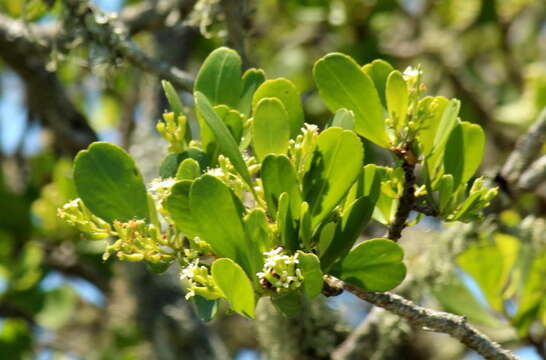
(286,92)
(109,183)
(336,164)
(379,70)
(235,285)
(343,84)
(278,176)
(270,128)
(374,265)
(464,152)
(312,274)
(178,206)
(397,94)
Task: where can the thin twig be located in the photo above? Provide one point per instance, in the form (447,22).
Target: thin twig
(421,317)
(101,29)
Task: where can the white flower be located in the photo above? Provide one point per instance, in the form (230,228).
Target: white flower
(216,172)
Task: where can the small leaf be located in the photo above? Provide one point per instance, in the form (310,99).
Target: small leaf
(219,78)
(109,183)
(312,274)
(252,79)
(204,308)
(288,232)
(286,92)
(278,176)
(289,304)
(344,119)
(305,231)
(379,70)
(188,169)
(464,152)
(225,140)
(218,217)
(373,265)
(397,94)
(343,84)
(170,163)
(434,106)
(270,128)
(178,206)
(336,164)
(257,229)
(235,285)
(233,120)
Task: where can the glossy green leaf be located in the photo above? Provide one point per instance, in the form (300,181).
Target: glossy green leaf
(218,217)
(448,121)
(464,151)
(235,285)
(335,166)
(305,231)
(233,119)
(286,92)
(252,79)
(344,119)
(257,230)
(219,78)
(379,70)
(373,265)
(397,94)
(278,176)
(170,163)
(109,183)
(434,107)
(343,84)
(288,231)
(270,128)
(188,169)
(225,140)
(312,274)
(178,206)
(204,308)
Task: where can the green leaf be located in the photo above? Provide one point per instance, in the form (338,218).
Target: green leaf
(286,92)
(233,120)
(312,274)
(109,183)
(257,229)
(379,70)
(225,140)
(532,297)
(218,216)
(305,231)
(464,152)
(335,165)
(270,128)
(448,121)
(252,79)
(204,308)
(219,78)
(344,119)
(178,206)
(353,220)
(288,231)
(434,107)
(490,265)
(342,84)
(170,163)
(188,169)
(373,265)
(456,298)
(397,94)
(235,285)
(278,176)
(289,304)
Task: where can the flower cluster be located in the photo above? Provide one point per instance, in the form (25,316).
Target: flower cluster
(281,271)
(173,130)
(200,281)
(78,215)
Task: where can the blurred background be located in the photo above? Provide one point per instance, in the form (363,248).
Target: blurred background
(77,71)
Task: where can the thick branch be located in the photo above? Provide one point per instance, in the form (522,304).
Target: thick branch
(527,147)
(103,31)
(47,97)
(420,317)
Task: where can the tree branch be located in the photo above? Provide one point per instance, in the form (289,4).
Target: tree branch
(527,147)
(423,318)
(46,95)
(102,30)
